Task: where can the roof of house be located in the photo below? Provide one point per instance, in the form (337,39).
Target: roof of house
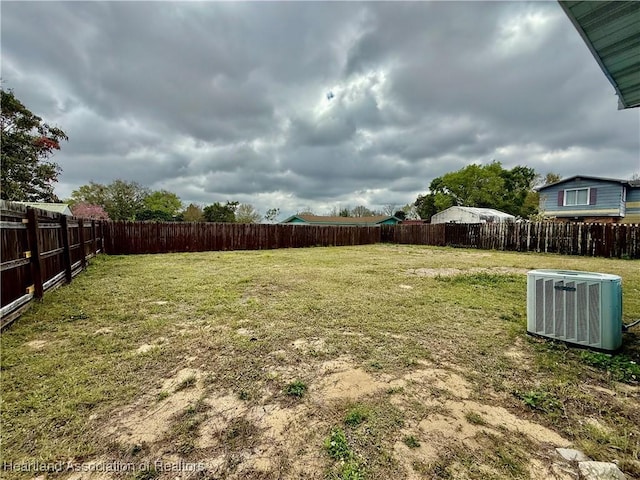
(327,220)
(481,211)
(610,30)
(50,207)
(413,222)
(631,183)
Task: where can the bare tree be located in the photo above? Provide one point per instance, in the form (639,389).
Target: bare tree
(389,209)
(245,213)
(361,211)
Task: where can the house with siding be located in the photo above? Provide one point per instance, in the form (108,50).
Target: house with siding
(591,199)
(371,221)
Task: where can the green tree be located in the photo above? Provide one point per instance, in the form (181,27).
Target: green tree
(193,213)
(344,212)
(531,204)
(26,171)
(126,200)
(155,215)
(425,206)
(163,201)
(245,213)
(93,194)
(551,177)
(519,183)
(489,186)
(400,214)
(218,212)
(471,186)
(122,200)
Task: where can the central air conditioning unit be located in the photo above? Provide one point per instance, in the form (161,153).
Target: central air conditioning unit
(581,308)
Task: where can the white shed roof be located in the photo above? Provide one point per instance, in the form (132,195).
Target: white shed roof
(486,211)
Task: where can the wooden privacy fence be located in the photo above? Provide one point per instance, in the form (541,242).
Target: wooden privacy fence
(598,240)
(586,239)
(40,250)
(152,237)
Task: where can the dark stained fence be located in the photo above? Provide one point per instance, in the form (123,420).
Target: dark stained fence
(586,239)
(415,234)
(40,250)
(597,240)
(152,237)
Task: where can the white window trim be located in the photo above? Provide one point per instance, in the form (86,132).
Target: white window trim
(564,200)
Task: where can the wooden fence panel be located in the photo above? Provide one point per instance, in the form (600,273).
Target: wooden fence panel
(37,249)
(607,240)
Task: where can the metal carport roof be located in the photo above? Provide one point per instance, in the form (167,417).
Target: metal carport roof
(611,30)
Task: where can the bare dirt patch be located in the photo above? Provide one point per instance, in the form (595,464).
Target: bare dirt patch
(310,345)
(148,421)
(518,353)
(37,344)
(224,409)
(144,348)
(279,440)
(351,383)
(441,379)
(147,347)
(103,331)
(452,272)
(461,428)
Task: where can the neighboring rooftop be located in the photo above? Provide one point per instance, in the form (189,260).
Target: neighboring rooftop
(327,220)
(62,208)
(490,212)
(611,32)
(631,183)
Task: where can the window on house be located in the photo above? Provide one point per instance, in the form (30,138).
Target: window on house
(576,196)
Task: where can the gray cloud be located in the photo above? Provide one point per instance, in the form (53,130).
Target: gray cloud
(223,101)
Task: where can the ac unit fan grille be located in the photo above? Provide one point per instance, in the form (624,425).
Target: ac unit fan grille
(568,310)
(576,307)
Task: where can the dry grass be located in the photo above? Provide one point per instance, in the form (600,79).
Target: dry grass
(191,357)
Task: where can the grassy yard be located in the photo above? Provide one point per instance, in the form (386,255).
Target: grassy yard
(371,362)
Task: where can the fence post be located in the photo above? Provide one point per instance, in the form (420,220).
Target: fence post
(83,257)
(101,233)
(66,252)
(34,249)
(94,237)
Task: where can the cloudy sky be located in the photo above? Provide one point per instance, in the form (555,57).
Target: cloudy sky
(229,101)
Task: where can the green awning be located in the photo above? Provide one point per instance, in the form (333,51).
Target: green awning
(611,30)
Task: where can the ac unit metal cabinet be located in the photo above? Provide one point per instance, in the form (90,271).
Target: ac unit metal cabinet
(583,308)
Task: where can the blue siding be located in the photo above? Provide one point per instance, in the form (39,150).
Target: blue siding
(633,194)
(632,214)
(608,199)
